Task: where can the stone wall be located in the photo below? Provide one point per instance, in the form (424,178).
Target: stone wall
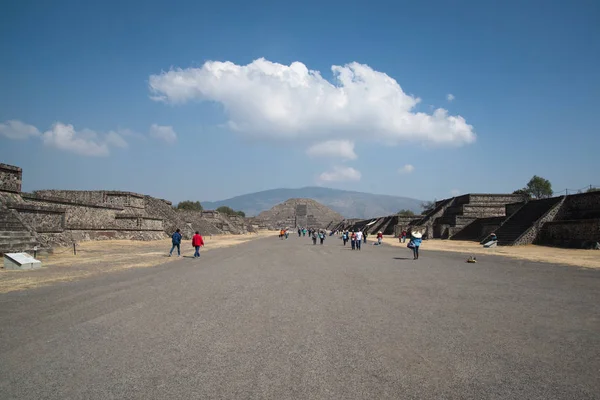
(573,233)
(494,198)
(531,235)
(10,178)
(78,215)
(41,219)
(580,206)
(120,199)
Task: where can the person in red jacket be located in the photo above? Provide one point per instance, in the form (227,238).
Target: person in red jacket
(197,242)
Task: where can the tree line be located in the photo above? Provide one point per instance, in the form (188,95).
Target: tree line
(190,205)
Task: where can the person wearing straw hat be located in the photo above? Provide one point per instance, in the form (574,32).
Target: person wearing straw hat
(415,243)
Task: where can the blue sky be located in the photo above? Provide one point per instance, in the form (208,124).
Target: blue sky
(195,100)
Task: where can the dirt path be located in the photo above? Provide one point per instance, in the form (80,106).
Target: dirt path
(575,257)
(97,257)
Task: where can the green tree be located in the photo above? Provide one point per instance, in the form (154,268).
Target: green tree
(189,205)
(230,211)
(539,188)
(524,193)
(406,213)
(226,210)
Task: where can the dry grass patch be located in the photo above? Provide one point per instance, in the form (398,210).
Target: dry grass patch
(555,255)
(96,257)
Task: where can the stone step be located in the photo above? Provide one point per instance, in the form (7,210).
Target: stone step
(16,247)
(13,228)
(13,235)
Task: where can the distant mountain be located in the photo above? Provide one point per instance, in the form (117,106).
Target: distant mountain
(349,204)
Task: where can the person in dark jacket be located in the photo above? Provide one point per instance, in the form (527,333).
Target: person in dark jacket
(176,240)
(197,242)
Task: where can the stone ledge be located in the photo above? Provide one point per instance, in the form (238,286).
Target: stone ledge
(36,208)
(10,168)
(59,200)
(133,216)
(80,228)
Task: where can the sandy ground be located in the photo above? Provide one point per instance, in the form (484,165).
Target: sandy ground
(96,257)
(575,257)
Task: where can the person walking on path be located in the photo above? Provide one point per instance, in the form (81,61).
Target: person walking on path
(197,242)
(365,236)
(358,239)
(176,241)
(403,236)
(314,237)
(353,240)
(345,237)
(415,243)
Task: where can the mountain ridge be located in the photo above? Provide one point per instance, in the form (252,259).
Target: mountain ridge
(350,204)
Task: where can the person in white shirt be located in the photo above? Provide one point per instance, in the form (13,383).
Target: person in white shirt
(359,236)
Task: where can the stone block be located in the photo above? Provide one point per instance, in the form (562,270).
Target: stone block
(17,261)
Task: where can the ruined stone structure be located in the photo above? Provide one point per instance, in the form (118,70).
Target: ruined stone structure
(568,221)
(295,213)
(57,217)
(451,216)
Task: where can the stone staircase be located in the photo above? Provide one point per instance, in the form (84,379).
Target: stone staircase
(14,237)
(523,219)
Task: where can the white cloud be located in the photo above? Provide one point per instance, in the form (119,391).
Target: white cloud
(407,169)
(339,174)
(84,142)
(333,148)
(116,140)
(266,99)
(14,129)
(455,192)
(450,97)
(165,133)
(131,134)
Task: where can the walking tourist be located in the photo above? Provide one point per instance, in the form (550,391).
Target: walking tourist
(358,239)
(415,243)
(176,241)
(353,240)
(345,237)
(299,232)
(403,236)
(365,236)
(314,237)
(197,242)
(321,236)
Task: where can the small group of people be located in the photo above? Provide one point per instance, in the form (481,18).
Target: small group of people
(355,239)
(197,242)
(317,234)
(283,234)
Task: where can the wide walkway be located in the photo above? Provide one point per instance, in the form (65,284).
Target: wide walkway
(289,320)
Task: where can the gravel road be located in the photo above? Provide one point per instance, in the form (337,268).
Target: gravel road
(273,319)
